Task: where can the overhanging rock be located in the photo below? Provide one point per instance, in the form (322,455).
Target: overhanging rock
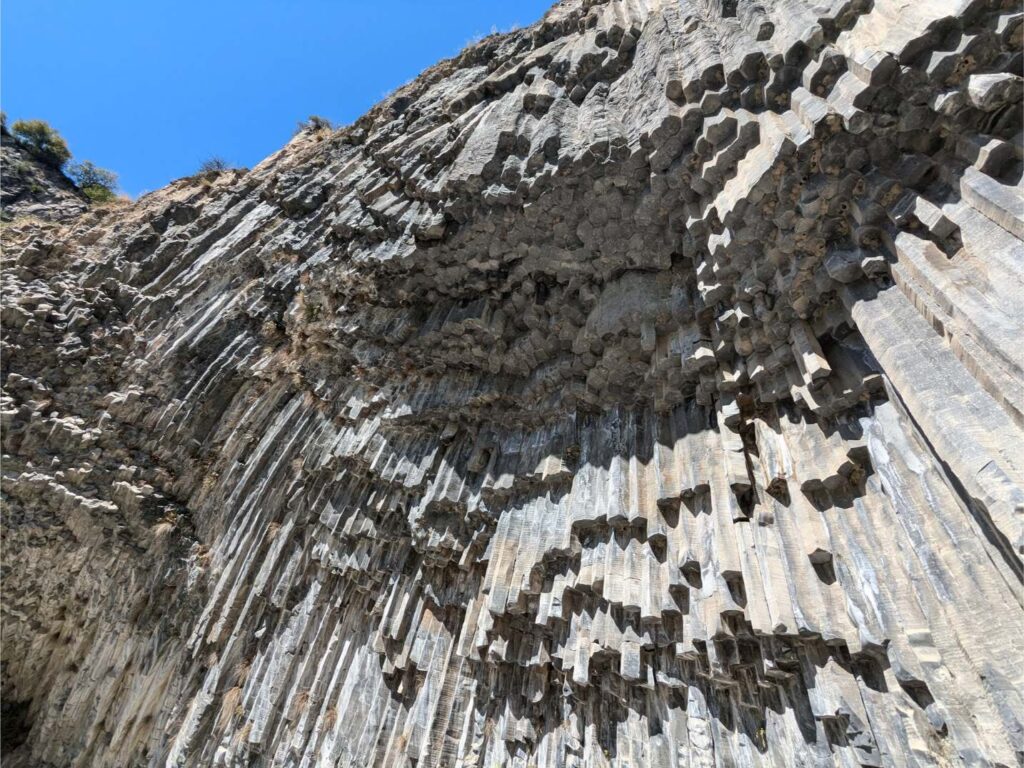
(640,388)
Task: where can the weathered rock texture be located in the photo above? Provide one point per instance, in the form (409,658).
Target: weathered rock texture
(643,388)
(31,188)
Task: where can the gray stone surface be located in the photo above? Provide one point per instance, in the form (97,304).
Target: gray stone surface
(29,187)
(641,388)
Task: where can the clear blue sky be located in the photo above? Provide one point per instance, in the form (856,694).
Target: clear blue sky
(151,88)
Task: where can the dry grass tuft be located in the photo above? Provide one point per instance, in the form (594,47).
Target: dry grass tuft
(230,706)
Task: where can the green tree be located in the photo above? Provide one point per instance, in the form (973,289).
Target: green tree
(43,141)
(97,183)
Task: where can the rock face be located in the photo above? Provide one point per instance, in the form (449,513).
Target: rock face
(643,388)
(31,188)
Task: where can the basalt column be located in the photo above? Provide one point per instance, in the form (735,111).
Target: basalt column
(641,388)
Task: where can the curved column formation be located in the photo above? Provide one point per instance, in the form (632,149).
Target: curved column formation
(639,388)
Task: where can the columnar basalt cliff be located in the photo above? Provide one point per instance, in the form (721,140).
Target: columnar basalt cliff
(642,388)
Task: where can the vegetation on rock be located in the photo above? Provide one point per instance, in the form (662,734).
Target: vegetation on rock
(213,165)
(43,141)
(98,184)
(314,123)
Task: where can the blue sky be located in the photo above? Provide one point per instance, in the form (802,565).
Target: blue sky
(151,88)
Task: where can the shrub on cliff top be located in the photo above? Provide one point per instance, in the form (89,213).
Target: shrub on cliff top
(43,141)
(315,123)
(97,183)
(213,165)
